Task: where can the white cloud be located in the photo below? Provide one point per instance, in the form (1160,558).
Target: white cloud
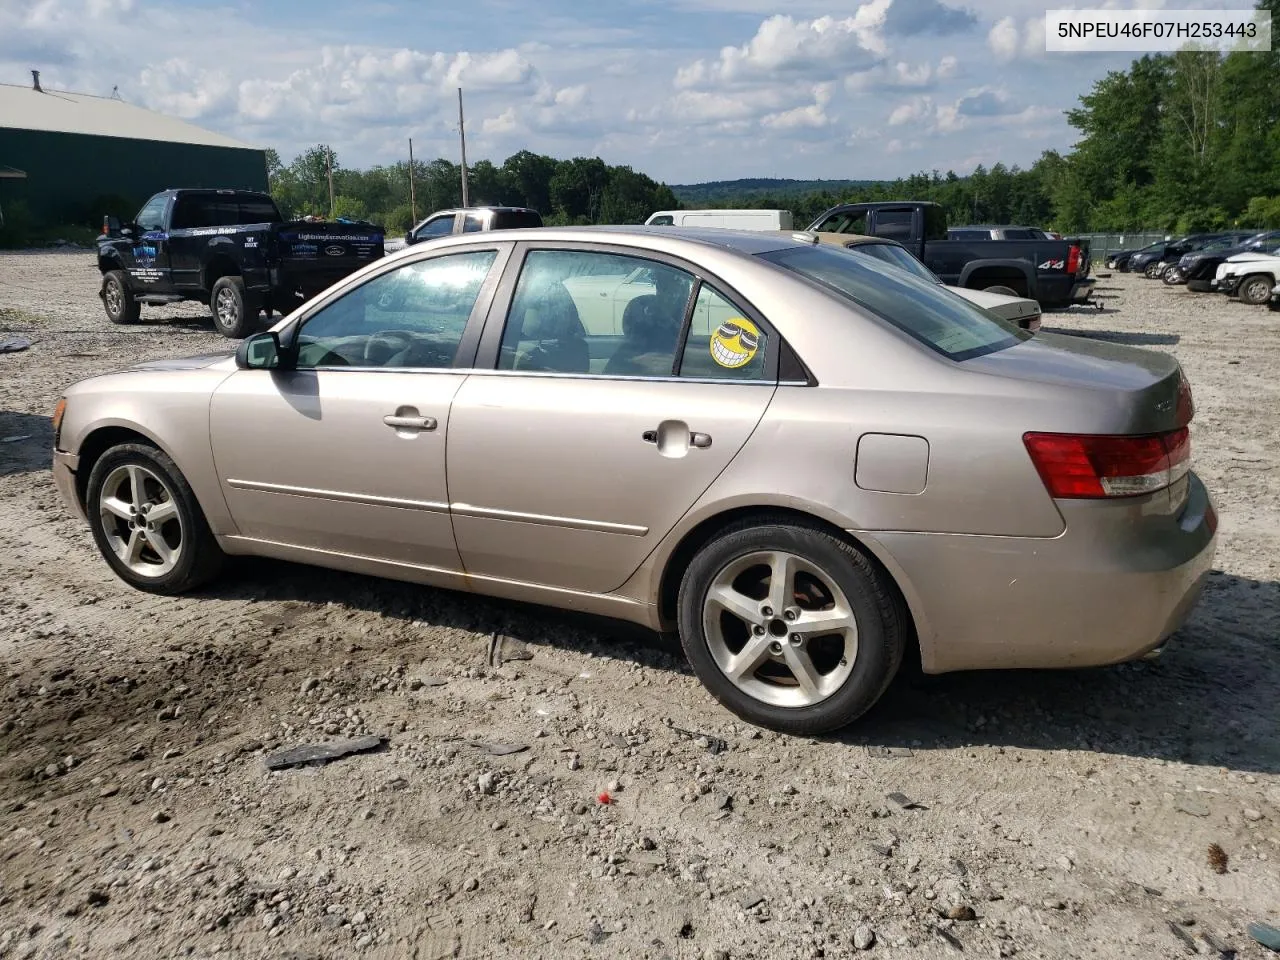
(901,76)
(1010,41)
(915,110)
(785,44)
(813,115)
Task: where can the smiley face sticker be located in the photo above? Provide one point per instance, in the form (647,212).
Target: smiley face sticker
(735,342)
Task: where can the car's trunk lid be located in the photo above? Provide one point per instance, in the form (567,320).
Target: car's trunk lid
(1145,385)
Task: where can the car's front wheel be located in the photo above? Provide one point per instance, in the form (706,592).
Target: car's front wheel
(147,523)
(789,626)
(1153,270)
(1255,289)
(117,300)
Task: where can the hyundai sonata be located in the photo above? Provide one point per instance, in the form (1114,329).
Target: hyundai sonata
(810,464)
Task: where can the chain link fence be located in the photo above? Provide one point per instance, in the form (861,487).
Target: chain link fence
(1102,244)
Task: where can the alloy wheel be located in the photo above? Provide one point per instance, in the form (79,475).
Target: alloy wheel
(226,308)
(780,628)
(114,297)
(141,521)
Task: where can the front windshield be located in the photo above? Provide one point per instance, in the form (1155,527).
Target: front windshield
(924,310)
(896,255)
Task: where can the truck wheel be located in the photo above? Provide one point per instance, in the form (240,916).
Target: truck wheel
(1001,289)
(118,301)
(233,317)
(1255,289)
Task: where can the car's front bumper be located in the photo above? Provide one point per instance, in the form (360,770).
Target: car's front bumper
(1112,587)
(64,478)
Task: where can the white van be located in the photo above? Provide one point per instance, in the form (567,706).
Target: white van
(731,219)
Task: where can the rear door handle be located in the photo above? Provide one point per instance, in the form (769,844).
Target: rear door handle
(410,423)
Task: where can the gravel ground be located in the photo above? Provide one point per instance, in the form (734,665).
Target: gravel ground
(1046,815)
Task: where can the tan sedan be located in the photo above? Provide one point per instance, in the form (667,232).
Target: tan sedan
(812,464)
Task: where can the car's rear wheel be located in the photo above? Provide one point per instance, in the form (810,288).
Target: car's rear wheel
(789,626)
(147,523)
(117,300)
(233,315)
(1255,289)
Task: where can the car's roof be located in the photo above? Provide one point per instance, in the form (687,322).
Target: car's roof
(486,208)
(747,242)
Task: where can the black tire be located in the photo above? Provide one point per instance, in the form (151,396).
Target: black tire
(1172,277)
(1001,289)
(199,558)
(117,299)
(877,607)
(234,315)
(1152,270)
(1255,289)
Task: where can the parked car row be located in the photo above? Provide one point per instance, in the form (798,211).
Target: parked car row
(1245,266)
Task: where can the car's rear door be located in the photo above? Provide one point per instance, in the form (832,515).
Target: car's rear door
(345,454)
(569,478)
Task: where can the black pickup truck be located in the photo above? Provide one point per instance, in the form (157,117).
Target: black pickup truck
(230,249)
(1053,272)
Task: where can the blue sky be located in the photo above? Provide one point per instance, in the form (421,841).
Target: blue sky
(685,90)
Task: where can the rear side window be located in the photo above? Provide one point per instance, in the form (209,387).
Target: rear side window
(927,312)
(935,223)
(894,224)
(515,219)
(258,210)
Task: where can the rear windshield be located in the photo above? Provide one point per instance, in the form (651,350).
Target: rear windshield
(896,255)
(969,235)
(515,219)
(926,311)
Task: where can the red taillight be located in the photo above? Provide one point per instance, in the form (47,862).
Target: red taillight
(1186,408)
(1073,259)
(1080,466)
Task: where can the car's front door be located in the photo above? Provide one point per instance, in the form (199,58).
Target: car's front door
(346,453)
(148,252)
(569,478)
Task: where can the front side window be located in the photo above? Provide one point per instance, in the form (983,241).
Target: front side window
(896,255)
(474,223)
(593,312)
(151,216)
(663,221)
(413,316)
(722,343)
(927,312)
(439,227)
(852,222)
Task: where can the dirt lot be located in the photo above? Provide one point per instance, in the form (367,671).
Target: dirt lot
(1059,814)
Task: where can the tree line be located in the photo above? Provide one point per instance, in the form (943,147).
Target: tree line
(584,190)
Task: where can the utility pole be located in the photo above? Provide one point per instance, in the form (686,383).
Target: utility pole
(328,166)
(413,197)
(462,133)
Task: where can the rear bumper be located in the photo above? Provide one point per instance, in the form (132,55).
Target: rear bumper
(1111,588)
(64,478)
(1081,290)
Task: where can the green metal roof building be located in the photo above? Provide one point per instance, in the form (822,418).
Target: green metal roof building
(69,158)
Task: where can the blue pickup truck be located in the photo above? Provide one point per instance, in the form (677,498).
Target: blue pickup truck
(230,249)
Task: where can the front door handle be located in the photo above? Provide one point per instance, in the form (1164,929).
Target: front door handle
(702,440)
(410,423)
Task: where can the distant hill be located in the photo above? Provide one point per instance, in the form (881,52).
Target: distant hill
(718,191)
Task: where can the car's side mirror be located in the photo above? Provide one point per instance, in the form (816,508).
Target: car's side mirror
(260,351)
(408,238)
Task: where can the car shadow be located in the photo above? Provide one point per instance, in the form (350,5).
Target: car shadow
(1209,700)
(26,442)
(1131,338)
